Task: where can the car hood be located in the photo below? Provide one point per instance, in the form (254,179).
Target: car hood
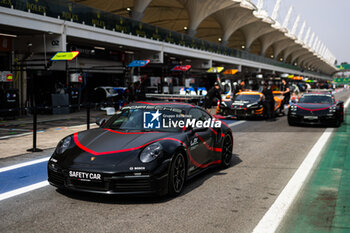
(105,141)
(103,150)
(314,107)
(243,104)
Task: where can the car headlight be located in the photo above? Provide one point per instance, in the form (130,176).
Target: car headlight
(293,108)
(151,152)
(253,105)
(63,145)
(332,109)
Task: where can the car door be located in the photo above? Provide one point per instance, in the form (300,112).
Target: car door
(201,140)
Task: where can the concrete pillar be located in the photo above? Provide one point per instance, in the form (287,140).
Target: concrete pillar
(64,38)
(286,20)
(294,29)
(137,15)
(255,30)
(306,39)
(269,39)
(311,40)
(275,10)
(191,32)
(200,10)
(139,9)
(301,32)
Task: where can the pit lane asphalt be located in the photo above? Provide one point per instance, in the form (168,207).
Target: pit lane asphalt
(233,200)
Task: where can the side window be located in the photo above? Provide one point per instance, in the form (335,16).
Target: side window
(205,116)
(195,113)
(199,115)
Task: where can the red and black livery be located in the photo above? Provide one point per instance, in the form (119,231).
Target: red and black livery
(317,108)
(122,157)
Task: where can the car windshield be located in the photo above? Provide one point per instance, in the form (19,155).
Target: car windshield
(248,98)
(144,119)
(316,99)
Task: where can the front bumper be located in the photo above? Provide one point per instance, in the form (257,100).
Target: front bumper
(245,112)
(113,183)
(320,120)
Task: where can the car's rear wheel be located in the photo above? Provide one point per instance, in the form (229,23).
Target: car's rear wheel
(177,175)
(226,154)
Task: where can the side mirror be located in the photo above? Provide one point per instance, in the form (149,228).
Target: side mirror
(100,122)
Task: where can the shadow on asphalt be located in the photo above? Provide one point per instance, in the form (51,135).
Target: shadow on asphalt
(190,185)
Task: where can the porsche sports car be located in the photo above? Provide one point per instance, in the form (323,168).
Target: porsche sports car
(248,104)
(316,108)
(148,148)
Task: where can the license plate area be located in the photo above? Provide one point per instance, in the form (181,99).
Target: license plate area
(311,118)
(85,176)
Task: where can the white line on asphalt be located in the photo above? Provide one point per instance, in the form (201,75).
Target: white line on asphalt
(16,135)
(4,169)
(23,190)
(236,123)
(273,217)
(277,211)
(347,103)
(78,126)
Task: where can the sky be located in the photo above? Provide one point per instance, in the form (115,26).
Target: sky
(329,19)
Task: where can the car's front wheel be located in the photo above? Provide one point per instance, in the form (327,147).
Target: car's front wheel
(291,122)
(177,175)
(337,123)
(226,155)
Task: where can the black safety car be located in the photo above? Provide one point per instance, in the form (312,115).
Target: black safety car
(148,148)
(317,108)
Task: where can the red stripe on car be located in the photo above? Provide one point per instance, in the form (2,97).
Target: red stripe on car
(76,141)
(312,110)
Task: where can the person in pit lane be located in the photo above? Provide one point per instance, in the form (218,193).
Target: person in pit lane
(213,94)
(240,87)
(269,103)
(286,93)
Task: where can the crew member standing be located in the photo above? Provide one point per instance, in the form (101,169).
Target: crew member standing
(269,103)
(286,93)
(213,93)
(240,87)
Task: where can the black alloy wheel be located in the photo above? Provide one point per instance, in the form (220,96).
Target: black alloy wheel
(290,122)
(226,155)
(337,123)
(177,176)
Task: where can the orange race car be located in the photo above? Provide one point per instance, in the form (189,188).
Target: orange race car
(278,96)
(248,104)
